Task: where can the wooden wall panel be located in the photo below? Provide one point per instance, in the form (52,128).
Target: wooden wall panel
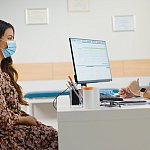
(117,68)
(41,71)
(137,67)
(60,70)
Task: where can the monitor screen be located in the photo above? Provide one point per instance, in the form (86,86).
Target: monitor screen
(90,60)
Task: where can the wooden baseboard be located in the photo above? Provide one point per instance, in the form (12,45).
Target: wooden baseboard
(60,70)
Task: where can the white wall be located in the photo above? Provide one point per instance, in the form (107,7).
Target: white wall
(47,43)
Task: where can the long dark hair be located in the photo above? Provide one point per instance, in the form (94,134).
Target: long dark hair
(7,64)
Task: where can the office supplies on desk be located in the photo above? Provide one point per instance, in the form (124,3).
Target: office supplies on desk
(75,97)
(110,100)
(139,102)
(91,97)
(74,86)
(108,97)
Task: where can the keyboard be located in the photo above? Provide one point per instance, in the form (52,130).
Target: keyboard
(105,97)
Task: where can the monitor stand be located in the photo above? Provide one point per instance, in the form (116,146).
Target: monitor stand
(83,84)
(110,103)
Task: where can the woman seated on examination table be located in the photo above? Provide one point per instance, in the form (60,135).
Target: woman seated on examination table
(134,90)
(18,130)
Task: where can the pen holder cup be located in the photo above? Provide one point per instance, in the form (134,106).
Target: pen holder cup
(75,98)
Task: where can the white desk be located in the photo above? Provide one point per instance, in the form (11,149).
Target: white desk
(125,128)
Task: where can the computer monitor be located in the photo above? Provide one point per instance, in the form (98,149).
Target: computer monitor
(90,61)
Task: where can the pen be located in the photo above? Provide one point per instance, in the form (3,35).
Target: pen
(79,97)
(68,86)
(73,84)
(74,90)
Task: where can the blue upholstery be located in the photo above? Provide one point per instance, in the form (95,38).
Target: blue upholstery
(110,91)
(42,94)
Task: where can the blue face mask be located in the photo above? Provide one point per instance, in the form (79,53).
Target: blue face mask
(10,50)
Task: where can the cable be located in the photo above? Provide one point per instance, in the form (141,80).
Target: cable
(55,99)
